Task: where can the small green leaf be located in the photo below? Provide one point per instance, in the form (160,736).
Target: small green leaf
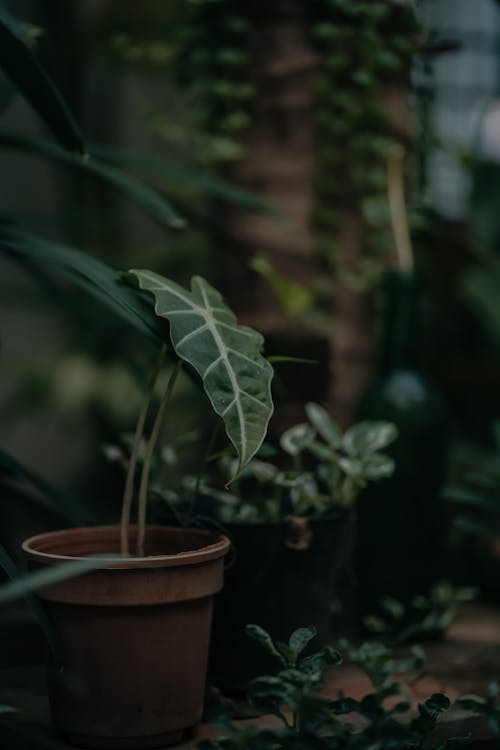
(472,703)
(352,467)
(393,606)
(300,638)
(368,437)
(297,439)
(378,466)
(264,639)
(324,424)
(287,654)
(317,663)
(322,453)
(436,705)
(344,706)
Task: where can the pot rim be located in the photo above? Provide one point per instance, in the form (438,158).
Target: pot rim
(219,548)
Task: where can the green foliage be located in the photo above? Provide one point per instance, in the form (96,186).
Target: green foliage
(364,46)
(477,500)
(488,706)
(197,180)
(158,207)
(425,616)
(346,463)
(212,59)
(205,334)
(236,377)
(295,299)
(329,470)
(86,272)
(312,721)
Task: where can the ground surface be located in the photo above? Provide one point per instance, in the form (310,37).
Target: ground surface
(466,661)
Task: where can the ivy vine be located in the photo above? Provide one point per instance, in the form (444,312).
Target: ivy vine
(363,45)
(214,63)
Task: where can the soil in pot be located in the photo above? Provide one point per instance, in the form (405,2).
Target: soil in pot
(134,637)
(281,577)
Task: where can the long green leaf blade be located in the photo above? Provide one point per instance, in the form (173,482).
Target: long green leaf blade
(158,207)
(89,273)
(227,356)
(180,175)
(27,75)
(23,585)
(53,641)
(66,504)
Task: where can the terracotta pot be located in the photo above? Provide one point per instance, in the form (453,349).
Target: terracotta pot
(134,637)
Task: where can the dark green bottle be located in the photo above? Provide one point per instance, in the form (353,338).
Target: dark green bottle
(402,519)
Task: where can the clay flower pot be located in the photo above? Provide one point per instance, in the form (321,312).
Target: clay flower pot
(134,636)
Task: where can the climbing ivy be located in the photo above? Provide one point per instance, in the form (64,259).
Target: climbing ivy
(214,63)
(364,45)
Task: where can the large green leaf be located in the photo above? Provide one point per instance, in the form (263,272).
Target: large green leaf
(90,274)
(227,356)
(150,200)
(26,74)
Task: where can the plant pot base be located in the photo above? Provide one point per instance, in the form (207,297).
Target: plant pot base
(133,634)
(123,743)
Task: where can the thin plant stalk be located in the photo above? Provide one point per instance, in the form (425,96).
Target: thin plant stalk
(153,439)
(206,457)
(397,207)
(128,492)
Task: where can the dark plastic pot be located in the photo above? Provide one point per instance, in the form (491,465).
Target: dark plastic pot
(283,576)
(134,637)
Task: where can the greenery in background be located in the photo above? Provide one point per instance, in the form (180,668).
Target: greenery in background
(51,262)
(366,46)
(477,500)
(312,721)
(488,706)
(426,617)
(207,56)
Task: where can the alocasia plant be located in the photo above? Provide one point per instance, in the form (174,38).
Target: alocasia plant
(203,334)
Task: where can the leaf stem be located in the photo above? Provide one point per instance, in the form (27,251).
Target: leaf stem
(153,439)
(398,210)
(204,461)
(139,429)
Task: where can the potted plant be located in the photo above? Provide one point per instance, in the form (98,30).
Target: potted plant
(292,531)
(134,634)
